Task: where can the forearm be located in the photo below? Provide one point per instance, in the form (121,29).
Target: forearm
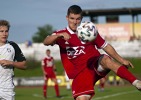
(19,65)
(49,40)
(112,52)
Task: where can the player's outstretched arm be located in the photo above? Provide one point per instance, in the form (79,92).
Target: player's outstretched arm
(112,52)
(20,65)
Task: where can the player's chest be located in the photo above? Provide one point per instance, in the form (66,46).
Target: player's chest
(6,52)
(74,41)
(48,60)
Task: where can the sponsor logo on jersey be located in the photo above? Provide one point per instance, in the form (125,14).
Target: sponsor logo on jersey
(74,52)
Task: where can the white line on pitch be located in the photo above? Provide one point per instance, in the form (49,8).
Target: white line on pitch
(113,95)
(37,95)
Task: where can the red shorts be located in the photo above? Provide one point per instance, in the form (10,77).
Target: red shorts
(50,73)
(84,82)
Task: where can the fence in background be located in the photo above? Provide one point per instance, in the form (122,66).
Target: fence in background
(124,48)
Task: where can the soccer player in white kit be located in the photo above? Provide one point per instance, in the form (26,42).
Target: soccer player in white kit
(11,57)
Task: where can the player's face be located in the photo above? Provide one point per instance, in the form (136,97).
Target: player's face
(48,53)
(3,34)
(73,21)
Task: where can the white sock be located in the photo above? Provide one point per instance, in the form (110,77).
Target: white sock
(134,83)
(68,85)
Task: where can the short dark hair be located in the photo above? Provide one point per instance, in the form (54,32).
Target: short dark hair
(48,50)
(5,23)
(75,9)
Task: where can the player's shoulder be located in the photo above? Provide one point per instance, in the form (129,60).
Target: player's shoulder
(12,43)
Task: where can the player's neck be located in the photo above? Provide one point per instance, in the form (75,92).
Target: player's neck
(48,56)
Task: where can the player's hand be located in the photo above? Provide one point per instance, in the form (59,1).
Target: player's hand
(65,36)
(6,63)
(128,64)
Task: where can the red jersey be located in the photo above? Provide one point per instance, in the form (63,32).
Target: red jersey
(48,63)
(75,53)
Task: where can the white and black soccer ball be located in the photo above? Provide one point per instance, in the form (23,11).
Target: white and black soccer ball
(87,31)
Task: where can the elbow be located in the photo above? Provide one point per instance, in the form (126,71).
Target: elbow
(24,66)
(46,43)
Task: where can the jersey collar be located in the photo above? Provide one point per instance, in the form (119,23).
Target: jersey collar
(71,32)
(48,56)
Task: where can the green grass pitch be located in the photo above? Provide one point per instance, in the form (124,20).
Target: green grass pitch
(110,93)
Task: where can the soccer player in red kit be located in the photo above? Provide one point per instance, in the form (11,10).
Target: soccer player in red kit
(49,69)
(83,62)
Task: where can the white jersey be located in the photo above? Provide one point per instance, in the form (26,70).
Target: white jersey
(10,51)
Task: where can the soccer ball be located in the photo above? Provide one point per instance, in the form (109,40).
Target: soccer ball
(87,31)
